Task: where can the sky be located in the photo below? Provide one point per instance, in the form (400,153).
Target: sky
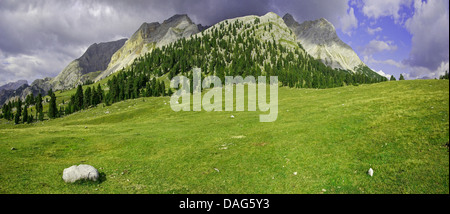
(40,38)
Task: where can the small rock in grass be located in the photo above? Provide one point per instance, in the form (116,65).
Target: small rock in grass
(295,173)
(232,116)
(370,172)
(12,149)
(80,172)
(216,169)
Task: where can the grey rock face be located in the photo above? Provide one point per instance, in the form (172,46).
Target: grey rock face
(13,85)
(96,58)
(148,37)
(202,28)
(320,40)
(80,172)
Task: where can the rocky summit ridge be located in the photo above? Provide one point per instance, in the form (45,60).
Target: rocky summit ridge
(320,40)
(147,37)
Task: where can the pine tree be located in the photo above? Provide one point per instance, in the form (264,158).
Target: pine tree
(41,116)
(25,114)
(401,77)
(19,108)
(79,98)
(52,109)
(39,107)
(393,78)
(87,97)
(16,118)
(100,93)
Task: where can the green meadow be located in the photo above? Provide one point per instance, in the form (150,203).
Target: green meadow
(323,142)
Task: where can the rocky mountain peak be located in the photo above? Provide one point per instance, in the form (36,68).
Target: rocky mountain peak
(97,56)
(148,37)
(320,40)
(13,85)
(289,20)
(178,18)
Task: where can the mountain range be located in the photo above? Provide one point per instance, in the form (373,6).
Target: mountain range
(318,38)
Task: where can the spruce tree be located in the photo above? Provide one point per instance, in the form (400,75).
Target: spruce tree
(87,97)
(16,118)
(393,78)
(52,109)
(19,108)
(25,114)
(39,107)
(401,77)
(41,116)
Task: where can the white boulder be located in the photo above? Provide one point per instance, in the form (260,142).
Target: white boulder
(80,172)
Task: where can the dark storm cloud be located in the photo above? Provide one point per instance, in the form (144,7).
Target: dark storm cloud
(39,38)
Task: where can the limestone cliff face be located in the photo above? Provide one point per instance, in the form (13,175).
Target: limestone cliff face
(96,58)
(320,40)
(146,38)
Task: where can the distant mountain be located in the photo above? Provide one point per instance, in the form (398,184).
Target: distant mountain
(11,89)
(147,37)
(13,85)
(87,67)
(320,40)
(95,59)
(202,28)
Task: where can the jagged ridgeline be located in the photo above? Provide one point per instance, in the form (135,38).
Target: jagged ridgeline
(243,46)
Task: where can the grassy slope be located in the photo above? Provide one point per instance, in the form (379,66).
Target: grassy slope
(329,137)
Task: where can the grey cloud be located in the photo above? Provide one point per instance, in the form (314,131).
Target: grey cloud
(430,29)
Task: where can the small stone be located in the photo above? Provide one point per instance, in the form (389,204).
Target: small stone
(232,116)
(12,149)
(295,173)
(370,172)
(324,190)
(216,169)
(85,127)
